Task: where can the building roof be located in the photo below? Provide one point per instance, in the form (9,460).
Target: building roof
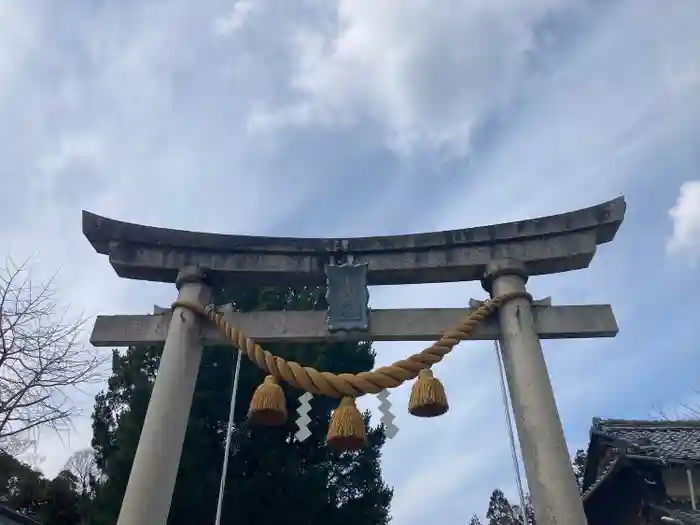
(675,440)
(617,442)
(605,473)
(681,512)
(16,517)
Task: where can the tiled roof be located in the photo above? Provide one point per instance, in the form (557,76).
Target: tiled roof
(680,511)
(605,474)
(678,440)
(15,517)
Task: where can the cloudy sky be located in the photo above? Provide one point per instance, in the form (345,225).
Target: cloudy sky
(350,117)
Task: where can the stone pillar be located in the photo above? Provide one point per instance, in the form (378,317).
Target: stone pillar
(550,478)
(152,480)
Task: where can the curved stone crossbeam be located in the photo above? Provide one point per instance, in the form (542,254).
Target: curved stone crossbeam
(553,244)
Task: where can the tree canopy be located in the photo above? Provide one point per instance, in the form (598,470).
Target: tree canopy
(50,501)
(500,511)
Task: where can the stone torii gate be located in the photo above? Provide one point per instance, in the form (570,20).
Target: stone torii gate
(502,256)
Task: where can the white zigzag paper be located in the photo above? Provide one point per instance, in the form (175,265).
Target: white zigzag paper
(387,417)
(304,408)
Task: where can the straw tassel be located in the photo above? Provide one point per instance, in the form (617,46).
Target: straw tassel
(347,428)
(268,406)
(428,398)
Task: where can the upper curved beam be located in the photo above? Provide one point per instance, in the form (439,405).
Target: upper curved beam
(546,245)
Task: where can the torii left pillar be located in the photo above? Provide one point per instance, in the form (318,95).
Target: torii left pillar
(152,480)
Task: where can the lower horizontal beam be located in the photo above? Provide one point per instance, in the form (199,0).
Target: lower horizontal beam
(555,322)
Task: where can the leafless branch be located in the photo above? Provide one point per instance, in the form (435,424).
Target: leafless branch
(82,465)
(684,411)
(692,410)
(41,359)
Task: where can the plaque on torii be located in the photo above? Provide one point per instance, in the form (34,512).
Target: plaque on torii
(502,256)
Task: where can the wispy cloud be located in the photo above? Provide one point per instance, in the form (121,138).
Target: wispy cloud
(427,77)
(686,222)
(234,20)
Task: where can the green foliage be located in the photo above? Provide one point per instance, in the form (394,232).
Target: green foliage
(271,478)
(63,501)
(579,466)
(502,512)
(26,490)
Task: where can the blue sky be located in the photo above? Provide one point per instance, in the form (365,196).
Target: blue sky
(348,117)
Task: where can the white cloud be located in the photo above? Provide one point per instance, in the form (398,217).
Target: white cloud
(19,35)
(73,148)
(426,75)
(228,24)
(686,221)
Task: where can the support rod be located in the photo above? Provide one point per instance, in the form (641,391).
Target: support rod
(229,432)
(691,487)
(511,433)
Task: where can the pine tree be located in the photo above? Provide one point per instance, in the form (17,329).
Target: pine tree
(272,478)
(501,512)
(579,466)
(529,510)
(62,504)
(49,501)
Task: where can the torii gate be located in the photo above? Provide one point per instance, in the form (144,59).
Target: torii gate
(502,256)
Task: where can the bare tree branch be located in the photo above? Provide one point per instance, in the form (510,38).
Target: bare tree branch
(684,411)
(41,359)
(83,466)
(692,411)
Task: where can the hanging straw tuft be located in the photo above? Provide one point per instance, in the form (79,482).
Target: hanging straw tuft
(347,428)
(428,398)
(268,406)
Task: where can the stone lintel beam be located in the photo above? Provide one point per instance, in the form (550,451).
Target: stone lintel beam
(553,244)
(428,324)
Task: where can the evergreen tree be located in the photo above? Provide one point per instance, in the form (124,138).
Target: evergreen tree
(474,520)
(21,486)
(579,466)
(529,510)
(27,491)
(62,504)
(272,478)
(501,512)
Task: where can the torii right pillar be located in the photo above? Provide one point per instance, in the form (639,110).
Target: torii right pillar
(555,495)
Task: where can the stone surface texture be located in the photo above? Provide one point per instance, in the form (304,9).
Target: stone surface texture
(553,244)
(421,324)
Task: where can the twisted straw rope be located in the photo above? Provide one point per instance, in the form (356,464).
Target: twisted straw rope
(353,385)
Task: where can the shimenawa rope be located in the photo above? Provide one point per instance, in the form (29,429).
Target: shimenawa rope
(353,385)
(346,430)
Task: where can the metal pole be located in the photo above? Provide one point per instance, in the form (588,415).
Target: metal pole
(511,434)
(691,487)
(229,431)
